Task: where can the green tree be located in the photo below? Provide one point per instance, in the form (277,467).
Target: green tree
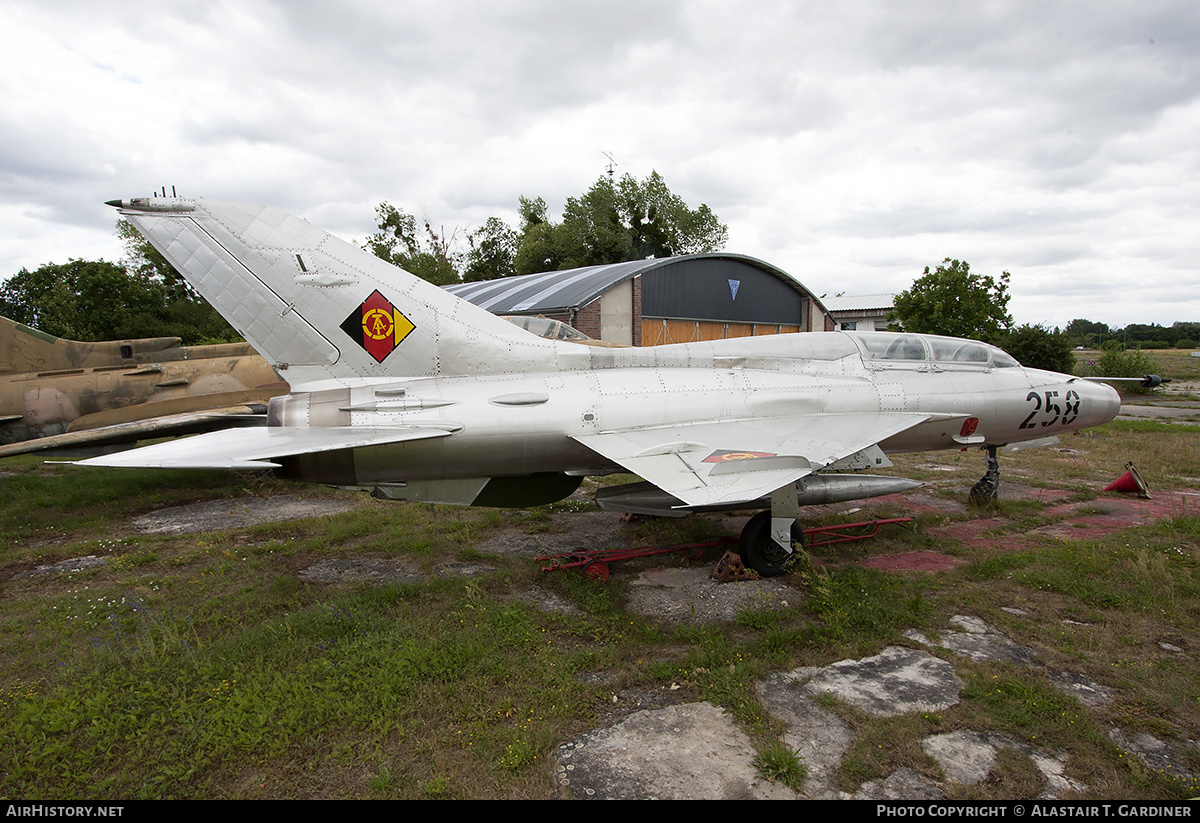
(1039,348)
(143,260)
(492,253)
(1115,362)
(86,300)
(91,300)
(537,249)
(418,250)
(951,300)
(660,222)
(1087,332)
(613,222)
(592,231)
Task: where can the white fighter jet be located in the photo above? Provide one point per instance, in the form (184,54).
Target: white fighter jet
(400,388)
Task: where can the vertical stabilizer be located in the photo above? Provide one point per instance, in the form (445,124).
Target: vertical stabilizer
(320,308)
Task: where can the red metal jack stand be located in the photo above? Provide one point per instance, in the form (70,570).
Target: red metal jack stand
(595,563)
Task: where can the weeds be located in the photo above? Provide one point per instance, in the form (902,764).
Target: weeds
(780,764)
(141,632)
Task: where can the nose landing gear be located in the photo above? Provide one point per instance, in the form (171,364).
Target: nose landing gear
(987,491)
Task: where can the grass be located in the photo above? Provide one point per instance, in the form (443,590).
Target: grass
(203,665)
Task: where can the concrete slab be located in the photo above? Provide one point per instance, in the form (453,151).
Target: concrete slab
(819,736)
(687,752)
(895,681)
(902,784)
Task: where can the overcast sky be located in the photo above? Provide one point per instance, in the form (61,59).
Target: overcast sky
(850,143)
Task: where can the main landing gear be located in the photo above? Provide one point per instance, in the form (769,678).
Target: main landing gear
(770,539)
(761,552)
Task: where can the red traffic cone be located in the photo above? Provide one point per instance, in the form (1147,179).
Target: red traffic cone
(1130,483)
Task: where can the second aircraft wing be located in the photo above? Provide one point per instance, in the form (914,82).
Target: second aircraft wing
(257,448)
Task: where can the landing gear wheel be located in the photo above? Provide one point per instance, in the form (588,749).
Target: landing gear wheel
(760,552)
(987,491)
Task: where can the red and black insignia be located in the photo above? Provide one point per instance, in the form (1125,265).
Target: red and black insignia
(377,326)
(726,456)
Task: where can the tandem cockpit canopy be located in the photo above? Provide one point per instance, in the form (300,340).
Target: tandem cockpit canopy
(899,349)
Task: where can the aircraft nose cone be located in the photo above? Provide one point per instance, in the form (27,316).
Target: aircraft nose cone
(1105,403)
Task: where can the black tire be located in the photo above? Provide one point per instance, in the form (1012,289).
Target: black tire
(760,552)
(985,492)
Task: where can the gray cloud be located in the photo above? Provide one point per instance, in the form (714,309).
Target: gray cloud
(852,143)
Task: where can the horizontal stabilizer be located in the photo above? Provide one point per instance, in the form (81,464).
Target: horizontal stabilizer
(173,425)
(257,448)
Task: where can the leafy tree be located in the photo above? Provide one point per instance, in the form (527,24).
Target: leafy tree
(426,254)
(86,300)
(592,232)
(493,250)
(1184,331)
(613,222)
(1039,348)
(951,300)
(537,249)
(143,260)
(95,300)
(661,224)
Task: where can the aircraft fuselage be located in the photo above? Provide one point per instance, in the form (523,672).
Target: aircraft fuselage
(520,424)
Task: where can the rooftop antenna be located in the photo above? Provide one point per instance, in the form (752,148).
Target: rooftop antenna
(612,164)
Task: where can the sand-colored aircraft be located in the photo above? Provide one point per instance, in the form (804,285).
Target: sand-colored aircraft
(57,393)
(403,389)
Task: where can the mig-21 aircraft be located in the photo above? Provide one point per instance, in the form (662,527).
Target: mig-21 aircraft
(400,388)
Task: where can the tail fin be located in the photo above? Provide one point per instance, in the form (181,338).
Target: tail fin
(317,307)
(28,350)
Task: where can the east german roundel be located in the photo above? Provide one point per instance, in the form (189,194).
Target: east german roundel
(377,326)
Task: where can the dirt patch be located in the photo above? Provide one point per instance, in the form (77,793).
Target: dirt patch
(561,534)
(690,596)
(1107,514)
(923,561)
(361,570)
(218,515)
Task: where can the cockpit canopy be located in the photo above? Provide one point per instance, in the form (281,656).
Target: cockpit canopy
(898,348)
